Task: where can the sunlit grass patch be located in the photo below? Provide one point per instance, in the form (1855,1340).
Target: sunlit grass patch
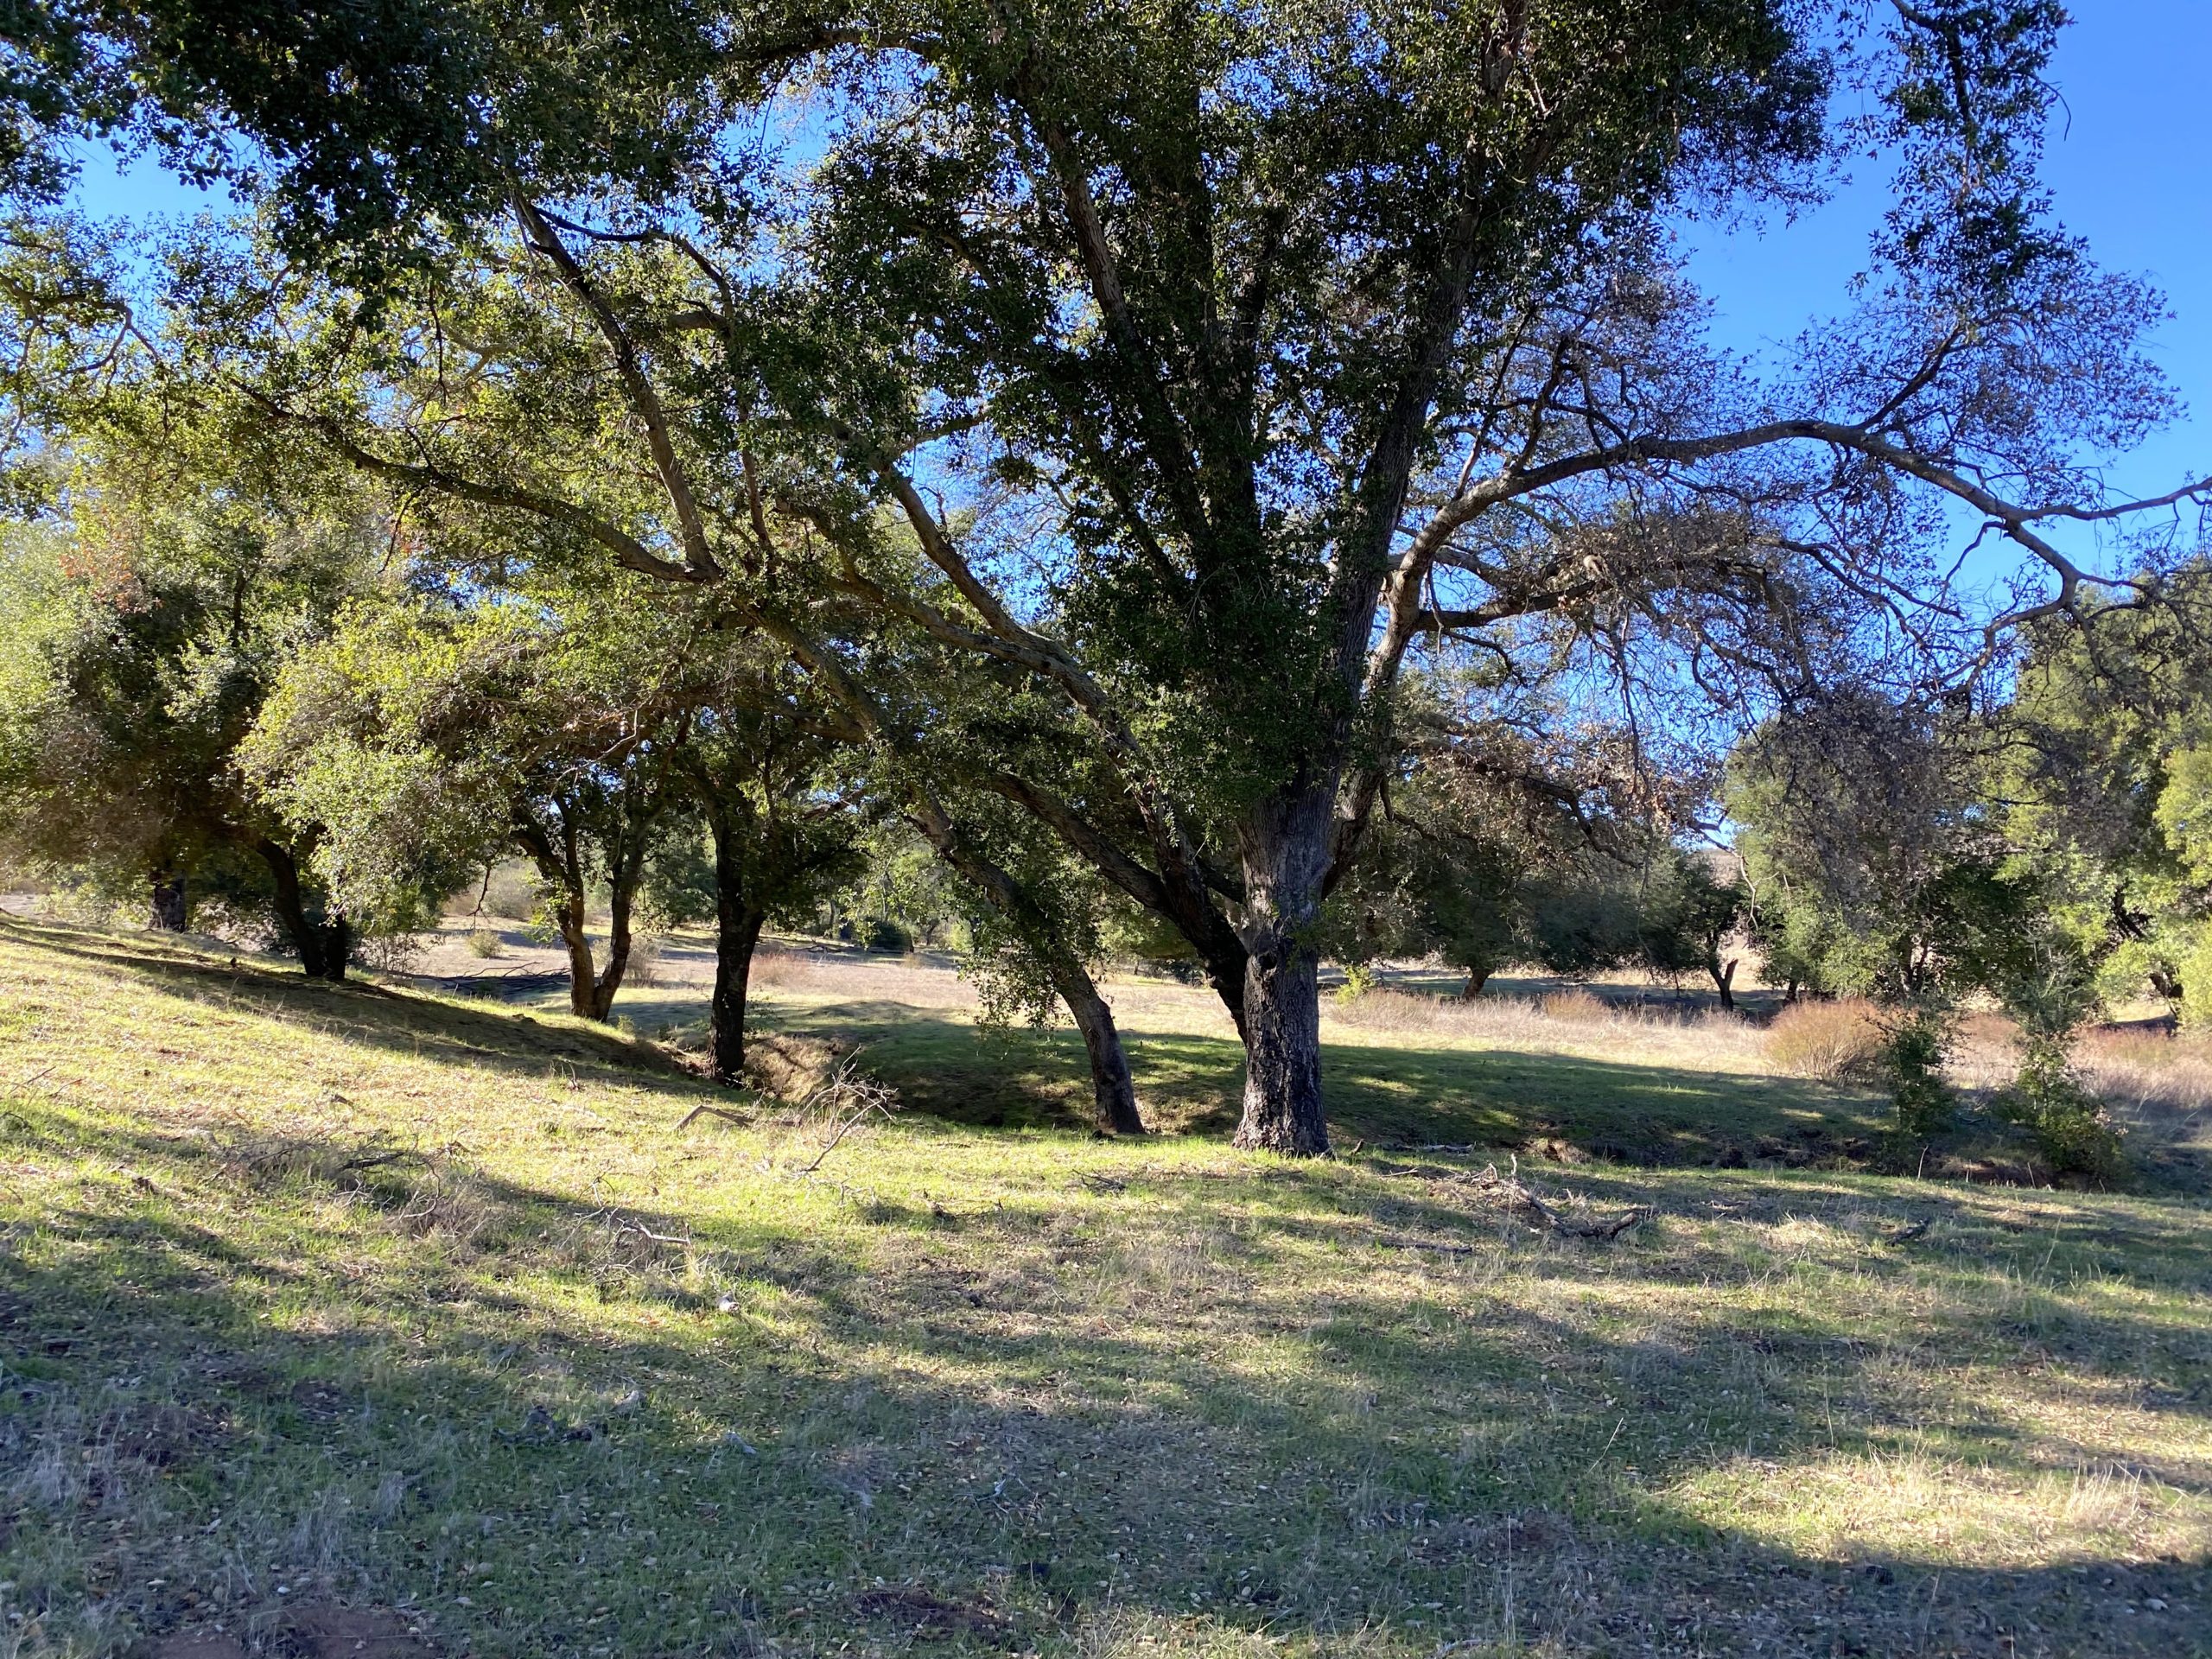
(417,1302)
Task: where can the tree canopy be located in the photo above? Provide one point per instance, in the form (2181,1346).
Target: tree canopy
(1182,373)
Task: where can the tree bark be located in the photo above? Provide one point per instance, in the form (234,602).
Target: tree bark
(291,908)
(337,949)
(166,911)
(1286,857)
(623,874)
(583,988)
(737,933)
(1111,1088)
(1724,976)
(1477,978)
(324,947)
(561,867)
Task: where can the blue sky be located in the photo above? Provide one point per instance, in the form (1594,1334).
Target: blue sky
(2127,163)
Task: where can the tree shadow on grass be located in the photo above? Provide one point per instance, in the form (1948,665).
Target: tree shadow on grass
(1618,1110)
(1202,1447)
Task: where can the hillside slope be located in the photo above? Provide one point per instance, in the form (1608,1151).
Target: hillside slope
(317,1298)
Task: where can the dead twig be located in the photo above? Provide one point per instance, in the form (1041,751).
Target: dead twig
(850,1099)
(1517,1193)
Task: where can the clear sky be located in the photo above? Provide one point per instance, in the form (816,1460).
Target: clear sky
(2129,162)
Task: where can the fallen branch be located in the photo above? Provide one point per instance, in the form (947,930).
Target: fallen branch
(640,1227)
(1426,1244)
(1512,1187)
(723,1112)
(375,1160)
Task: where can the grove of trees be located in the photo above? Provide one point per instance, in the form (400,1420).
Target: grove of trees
(1253,478)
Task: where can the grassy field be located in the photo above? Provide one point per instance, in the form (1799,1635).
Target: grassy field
(319,1298)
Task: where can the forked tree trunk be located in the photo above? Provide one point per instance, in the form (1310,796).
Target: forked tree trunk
(1724,975)
(1286,847)
(165,907)
(324,948)
(622,883)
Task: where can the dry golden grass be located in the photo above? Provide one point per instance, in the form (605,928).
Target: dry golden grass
(1833,1042)
(1576,1007)
(1570,1022)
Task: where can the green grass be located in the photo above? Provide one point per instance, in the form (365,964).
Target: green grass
(344,1294)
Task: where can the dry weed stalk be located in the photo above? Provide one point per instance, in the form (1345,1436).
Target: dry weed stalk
(843,1100)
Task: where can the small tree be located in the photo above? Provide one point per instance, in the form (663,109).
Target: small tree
(419,743)
(1691,908)
(780,820)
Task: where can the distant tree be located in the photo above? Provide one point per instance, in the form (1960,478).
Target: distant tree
(1689,911)
(145,614)
(2100,759)
(1879,860)
(1876,859)
(422,741)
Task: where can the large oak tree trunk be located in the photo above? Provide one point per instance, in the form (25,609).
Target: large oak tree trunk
(1286,849)
(1477,978)
(165,907)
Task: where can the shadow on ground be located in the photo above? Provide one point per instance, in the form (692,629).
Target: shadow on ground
(1180,1407)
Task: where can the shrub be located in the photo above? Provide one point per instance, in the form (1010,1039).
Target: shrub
(881,933)
(484,942)
(1912,1053)
(1577,1006)
(2069,1124)
(1828,1042)
(1359,980)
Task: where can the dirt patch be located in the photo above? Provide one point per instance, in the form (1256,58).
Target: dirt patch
(199,1645)
(918,1611)
(306,1633)
(166,1434)
(320,1400)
